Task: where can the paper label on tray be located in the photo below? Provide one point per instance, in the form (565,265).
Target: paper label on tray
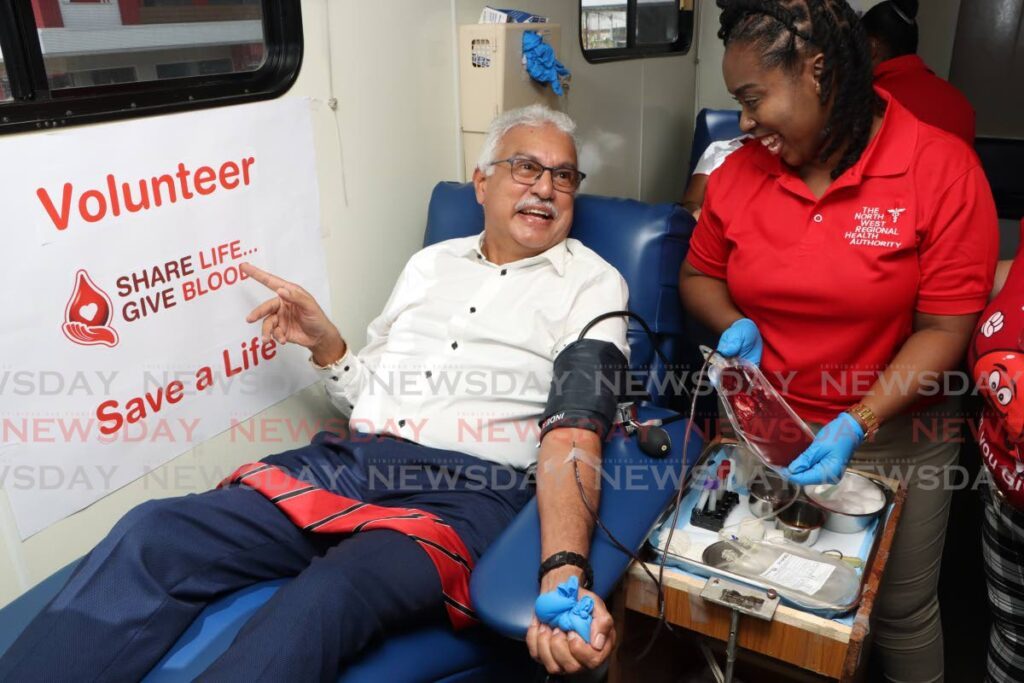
(798,573)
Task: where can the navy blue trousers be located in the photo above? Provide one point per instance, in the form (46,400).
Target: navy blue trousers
(129,600)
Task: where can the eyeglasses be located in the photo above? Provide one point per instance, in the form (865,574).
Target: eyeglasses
(528,172)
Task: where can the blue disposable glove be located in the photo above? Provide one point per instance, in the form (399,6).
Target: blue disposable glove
(826,458)
(561,609)
(742,339)
(541,63)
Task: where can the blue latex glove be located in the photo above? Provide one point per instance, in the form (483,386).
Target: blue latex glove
(562,609)
(541,63)
(825,459)
(742,339)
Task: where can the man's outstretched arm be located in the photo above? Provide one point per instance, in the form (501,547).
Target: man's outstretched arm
(567,525)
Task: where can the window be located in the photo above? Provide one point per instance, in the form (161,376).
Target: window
(603,26)
(74,61)
(92,36)
(624,29)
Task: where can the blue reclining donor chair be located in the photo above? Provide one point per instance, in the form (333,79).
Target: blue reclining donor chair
(712,125)
(647,244)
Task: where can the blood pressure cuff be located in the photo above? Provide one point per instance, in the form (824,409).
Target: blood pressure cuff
(588,379)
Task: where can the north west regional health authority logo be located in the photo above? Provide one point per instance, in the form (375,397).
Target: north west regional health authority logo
(88,314)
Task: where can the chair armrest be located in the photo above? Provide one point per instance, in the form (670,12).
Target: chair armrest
(635,490)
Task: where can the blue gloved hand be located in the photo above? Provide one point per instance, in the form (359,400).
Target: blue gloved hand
(826,458)
(742,339)
(561,609)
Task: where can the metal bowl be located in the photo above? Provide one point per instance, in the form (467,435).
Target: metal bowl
(768,493)
(845,522)
(801,522)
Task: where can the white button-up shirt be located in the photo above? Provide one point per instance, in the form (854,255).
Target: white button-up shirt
(462,356)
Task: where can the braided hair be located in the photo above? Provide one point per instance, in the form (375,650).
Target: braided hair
(787,31)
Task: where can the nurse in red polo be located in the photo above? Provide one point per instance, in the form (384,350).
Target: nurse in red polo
(892,31)
(849,249)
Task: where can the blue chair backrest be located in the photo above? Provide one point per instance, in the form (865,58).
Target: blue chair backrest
(712,125)
(645,242)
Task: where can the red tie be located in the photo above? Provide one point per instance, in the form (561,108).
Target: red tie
(313,509)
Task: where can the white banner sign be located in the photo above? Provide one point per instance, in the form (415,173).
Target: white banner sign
(125,341)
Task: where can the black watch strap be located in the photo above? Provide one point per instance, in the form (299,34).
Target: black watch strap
(560,559)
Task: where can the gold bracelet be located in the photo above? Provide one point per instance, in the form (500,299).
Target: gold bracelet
(865,417)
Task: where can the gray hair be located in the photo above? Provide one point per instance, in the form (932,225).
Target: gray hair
(535,115)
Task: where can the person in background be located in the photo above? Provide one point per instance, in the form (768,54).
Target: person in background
(892,31)
(997,364)
(713,157)
(848,241)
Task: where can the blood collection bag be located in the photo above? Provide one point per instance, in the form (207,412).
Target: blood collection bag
(758,414)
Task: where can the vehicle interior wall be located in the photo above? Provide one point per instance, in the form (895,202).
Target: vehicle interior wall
(988,34)
(998,30)
(390,65)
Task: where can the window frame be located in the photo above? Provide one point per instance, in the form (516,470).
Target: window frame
(681,46)
(36,107)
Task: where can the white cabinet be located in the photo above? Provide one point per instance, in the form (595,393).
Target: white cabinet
(493,78)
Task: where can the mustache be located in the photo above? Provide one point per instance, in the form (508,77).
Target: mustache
(535,203)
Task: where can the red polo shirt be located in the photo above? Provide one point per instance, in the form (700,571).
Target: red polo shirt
(833,283)
(927,96)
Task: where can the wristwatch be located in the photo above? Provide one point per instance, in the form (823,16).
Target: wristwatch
(560,559)
(865,417)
